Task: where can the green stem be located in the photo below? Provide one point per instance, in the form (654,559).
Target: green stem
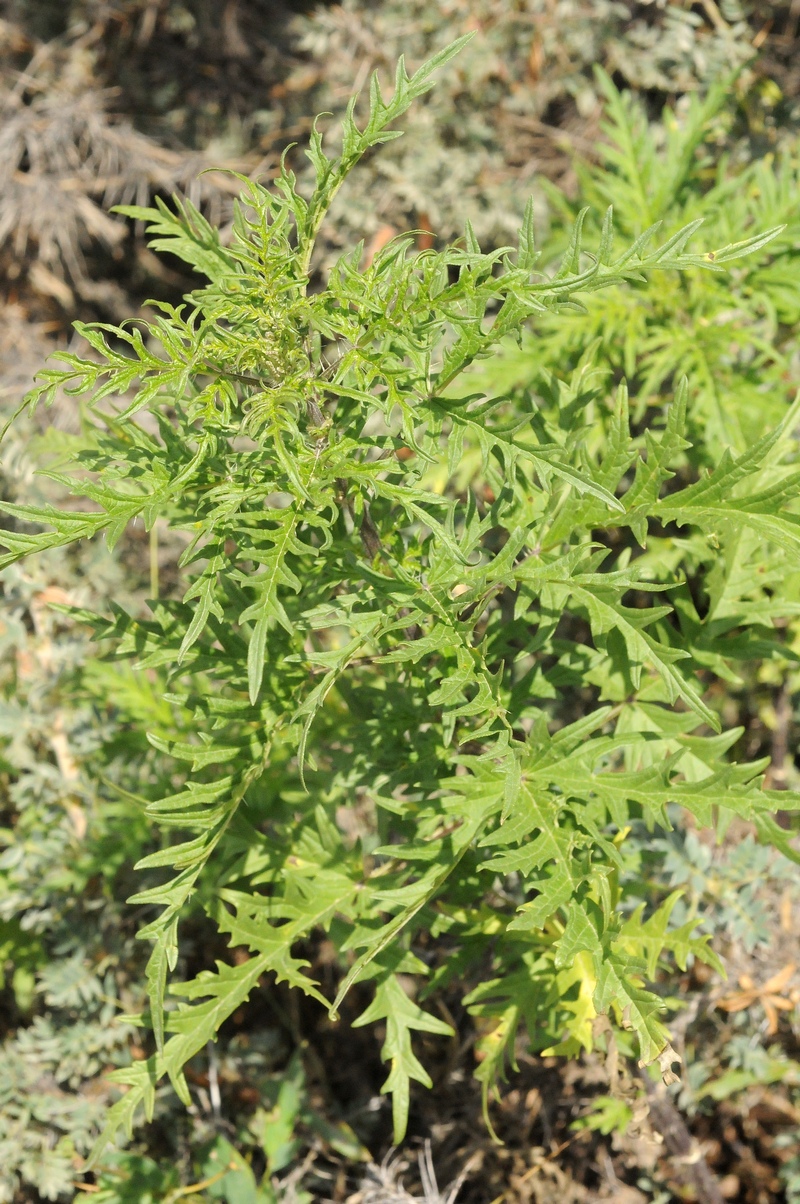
(154,583)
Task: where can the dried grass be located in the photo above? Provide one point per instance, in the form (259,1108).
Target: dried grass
(383,1184)
(65,159)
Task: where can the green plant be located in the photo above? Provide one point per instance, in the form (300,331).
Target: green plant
(427,686)
(734,335)
(608,1115)
(790,1171)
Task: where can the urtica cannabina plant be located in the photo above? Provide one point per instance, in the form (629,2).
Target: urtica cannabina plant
(395,591)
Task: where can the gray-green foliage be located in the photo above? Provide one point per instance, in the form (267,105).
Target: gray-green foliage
(729,894)
(63,947)
(453,613)
(477,140)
